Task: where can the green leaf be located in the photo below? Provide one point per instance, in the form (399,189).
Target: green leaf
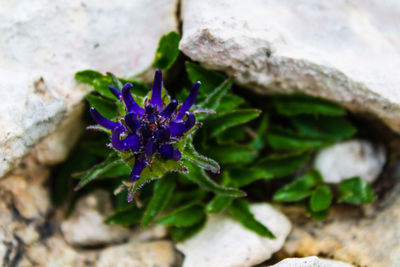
(209,79)
(230,119)
(106,107)
(98,170)
(192,155)
(162,193)
(167,51)
(332,128)
(184,216)
(279,138)
(283,164)
(88,76)
(302,104)
(299,188)
(127,216)
(234,134)
(240,210)
(181,233)
(356,191)
(320,215)
(158,168)
(118,170)
(218,203)
(259,140)
(198,176)
(321,198)
(185,196)
(139,89)
(232,153)
(214,98)
(228,103)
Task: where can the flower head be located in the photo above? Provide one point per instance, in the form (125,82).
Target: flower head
(149,129)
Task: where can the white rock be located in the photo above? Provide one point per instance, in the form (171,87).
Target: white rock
(346,51)
(225,242)
(85,226)
(155,253)
(43,43)
(310,262)
(350,158)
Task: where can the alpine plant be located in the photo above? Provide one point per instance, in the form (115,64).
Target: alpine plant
(150,129)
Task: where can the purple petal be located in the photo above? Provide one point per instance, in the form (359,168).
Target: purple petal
(140,163)
(132,142)
(149,147)
(132,122)
(177,155)
(103,121)
(130,103)
(163,134)
(150,116)
(189,101)
(180,128)
(145,131)
(156,90)
(115,91)
(115,139)
(169,109)
(167,151)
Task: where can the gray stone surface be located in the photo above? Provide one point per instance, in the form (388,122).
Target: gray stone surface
(312,261)
(224,242)
(345,51)
(349,159)
(43,43)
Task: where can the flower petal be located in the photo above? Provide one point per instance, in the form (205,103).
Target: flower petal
(137,169)
(115,91)
(130,103)
(149,147)
(167,151)
(189,101)
(150,115)
(115,139)
(103,121)
(177,155)
(169,109)
(180,128)
(163,134)
(132,142)
(132,122)
(156,90)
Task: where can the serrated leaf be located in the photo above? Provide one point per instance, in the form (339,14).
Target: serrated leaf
(162,193)
(184,216)
(232,153)
(333,128)
(302,104)
(106,107)
(230,119)
(192,155)
(167,51)
(240,210)
(356,191)
(209,79)
(218,203)
(198,176)
(159,167)
(181,233)
(229,102)
(98,170)
(279,138)
(214,98)
(321,198)
(127,216)
(299,188)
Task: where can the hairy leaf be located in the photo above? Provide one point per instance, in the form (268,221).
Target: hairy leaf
(240,210)
(232,153)
(228,103)
(184,216)
(214,98)
(218,203)
(192,155)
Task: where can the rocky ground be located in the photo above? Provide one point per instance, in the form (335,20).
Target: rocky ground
(346,52)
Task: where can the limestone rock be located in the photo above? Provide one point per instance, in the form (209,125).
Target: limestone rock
(85,226)
(44,43)
(345,51)
(154,253)
(225,242)
(310,262)
(351,158)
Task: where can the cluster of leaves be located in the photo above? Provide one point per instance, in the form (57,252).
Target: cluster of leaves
(248,145)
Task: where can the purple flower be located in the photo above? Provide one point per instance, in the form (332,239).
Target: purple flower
(151,129)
